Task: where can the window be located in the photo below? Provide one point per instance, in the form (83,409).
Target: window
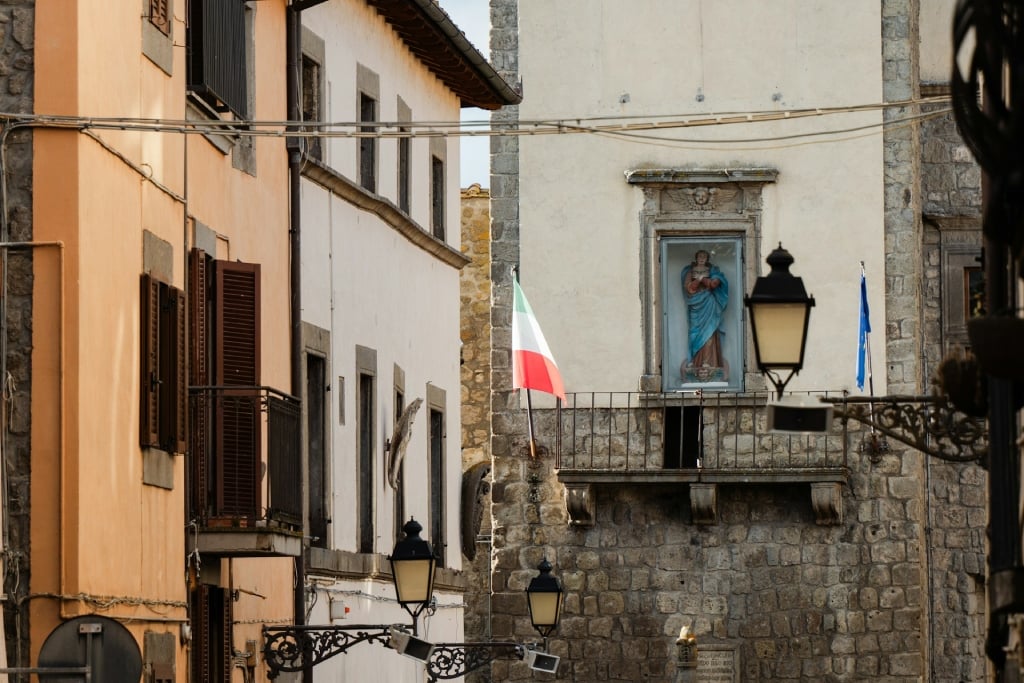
(164,395)
(367,145)
(365,473)
(366,445)
(160,15)
(404,158)
(312,109)
(436,428)
(683,441)
(217,54)
(212,647)
(436,469)
(225,369)
(316,425)
(399,476)
(437,197)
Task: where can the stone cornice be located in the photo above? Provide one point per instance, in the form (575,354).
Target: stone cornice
(701,175)
(351,192)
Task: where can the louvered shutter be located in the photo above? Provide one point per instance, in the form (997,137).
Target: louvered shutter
(201,645)
(198,342)
(237,361)
(172,390)
(149,408)
(227,645)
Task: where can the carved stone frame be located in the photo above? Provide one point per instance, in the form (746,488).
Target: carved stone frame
(705,202)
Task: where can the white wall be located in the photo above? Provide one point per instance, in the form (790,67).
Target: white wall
(580,246)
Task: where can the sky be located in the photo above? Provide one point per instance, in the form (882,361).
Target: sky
(474,18)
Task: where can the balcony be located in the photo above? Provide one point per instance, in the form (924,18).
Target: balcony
(692,439)
(245,504)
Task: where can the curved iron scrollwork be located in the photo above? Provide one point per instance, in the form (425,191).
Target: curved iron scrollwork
(452,660)
(927,423)
(992,123)
(290,648)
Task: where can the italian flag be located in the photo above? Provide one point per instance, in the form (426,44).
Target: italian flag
(533,367)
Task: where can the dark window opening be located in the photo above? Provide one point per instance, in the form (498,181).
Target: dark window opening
(437,197)
(683,440)
(365,473)
(217,54)
(367,145)
(311,104)
(437,484)
(404,172)
(316,423)
(400,479)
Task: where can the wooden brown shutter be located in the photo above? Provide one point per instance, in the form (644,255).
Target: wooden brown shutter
(227,632)
(237,364)
(149,407)
(198,344)
(201,632)
(172,390)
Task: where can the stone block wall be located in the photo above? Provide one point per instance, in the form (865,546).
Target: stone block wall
(17,80)
(883,595)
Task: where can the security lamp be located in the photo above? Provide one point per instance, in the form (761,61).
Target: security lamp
(545,598)
(779,314)
(541,661)
(404,643)
(412,567)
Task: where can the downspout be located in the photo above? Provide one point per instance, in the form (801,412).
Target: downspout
(293,46)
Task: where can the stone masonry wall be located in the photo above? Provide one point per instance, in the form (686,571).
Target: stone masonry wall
(475,285)
(798,601)
(17,33)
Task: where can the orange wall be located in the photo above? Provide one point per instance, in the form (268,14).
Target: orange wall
(114,535)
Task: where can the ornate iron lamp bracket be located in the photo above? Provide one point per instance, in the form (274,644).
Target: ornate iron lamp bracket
(453,660)
(290,648)
(929,424)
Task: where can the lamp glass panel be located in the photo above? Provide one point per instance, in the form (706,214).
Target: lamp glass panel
(544,607)
(780,332)
(413,579)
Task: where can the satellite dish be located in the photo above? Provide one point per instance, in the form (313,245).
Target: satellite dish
(400,440)
(103,644)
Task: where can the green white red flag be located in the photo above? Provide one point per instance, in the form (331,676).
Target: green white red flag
(533,366)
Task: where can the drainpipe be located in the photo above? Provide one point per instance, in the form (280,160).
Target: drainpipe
(293,60)
(293,80)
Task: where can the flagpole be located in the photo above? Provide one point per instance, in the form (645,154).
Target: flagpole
(867,347)
(529,420)
(529,397)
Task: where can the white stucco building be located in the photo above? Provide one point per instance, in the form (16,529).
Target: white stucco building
(380,315)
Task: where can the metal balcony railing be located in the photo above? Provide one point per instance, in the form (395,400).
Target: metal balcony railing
(633,432)
(231,483)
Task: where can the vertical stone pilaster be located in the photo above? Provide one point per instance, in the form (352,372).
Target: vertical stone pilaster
(17,81)
(902,200)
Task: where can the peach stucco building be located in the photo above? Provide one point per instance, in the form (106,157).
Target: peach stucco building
(160,270)
(158,508)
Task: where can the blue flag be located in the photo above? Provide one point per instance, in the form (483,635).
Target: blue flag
(863,357)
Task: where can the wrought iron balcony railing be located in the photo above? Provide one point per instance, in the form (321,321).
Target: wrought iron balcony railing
(231,482)
(633,432)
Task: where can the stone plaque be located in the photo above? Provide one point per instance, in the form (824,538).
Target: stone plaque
(718,663)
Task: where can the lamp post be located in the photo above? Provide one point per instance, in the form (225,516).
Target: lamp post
(544,595)
(779,313)
(412,567)
(295,648)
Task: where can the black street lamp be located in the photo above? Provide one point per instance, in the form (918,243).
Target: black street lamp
(544,595)
(296,648)
(412,567)
(779,314)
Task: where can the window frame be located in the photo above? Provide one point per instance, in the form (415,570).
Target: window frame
(163,390)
